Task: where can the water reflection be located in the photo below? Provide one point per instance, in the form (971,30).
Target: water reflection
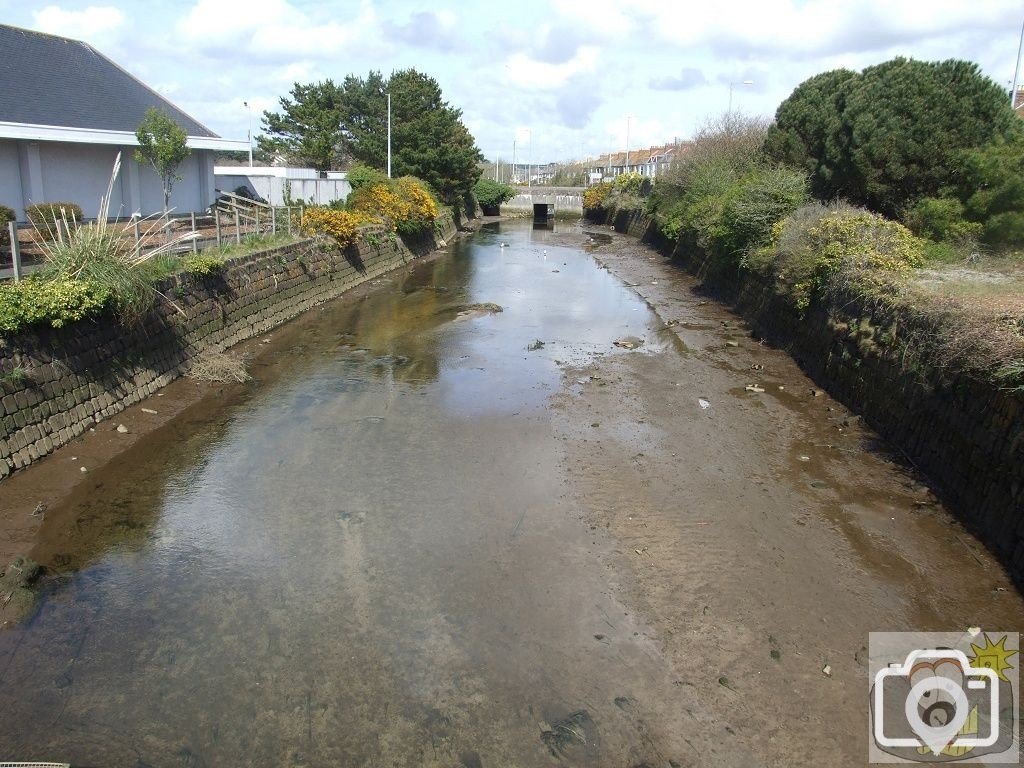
(333,567)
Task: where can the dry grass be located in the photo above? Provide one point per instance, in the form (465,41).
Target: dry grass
(971,318)
(220,367)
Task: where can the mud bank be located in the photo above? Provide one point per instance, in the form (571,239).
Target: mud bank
(965,435)
(57,383)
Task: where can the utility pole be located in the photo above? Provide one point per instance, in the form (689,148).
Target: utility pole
(627,143)
(515,173)
(1016,70)
(745,82)
(389,135)
(529,164)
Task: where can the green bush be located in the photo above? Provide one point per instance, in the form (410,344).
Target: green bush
(819,245)
(941,219)
(360,175)
(630,182)
(44,216)
(1005,228)
(53,302)
(753,205)
(491,194)
(993,190)
(7,215)
(202,265)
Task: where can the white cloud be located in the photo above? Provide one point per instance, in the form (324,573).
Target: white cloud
(527,72)
(274,28)
(93,22)
(789,27)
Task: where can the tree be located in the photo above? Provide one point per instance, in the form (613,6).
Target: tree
(807,127)
(308,131)
(327,125)
(162,144)
(428,138)
(490,194)
(892,134)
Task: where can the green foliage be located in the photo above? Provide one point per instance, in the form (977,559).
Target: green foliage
(993,190)
(308,130)
(808,128)
(162,145)
(361,175)
(722,195)
(7,215)
(892,134)
(941,219)
(491,194)
(752,206)
(819,245)
(325,123)
(429,140)
(44,216)
(37,301)
(202,265)
(629,182)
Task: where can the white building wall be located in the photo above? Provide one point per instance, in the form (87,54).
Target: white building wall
(45,172)
(10,177)
(272,188)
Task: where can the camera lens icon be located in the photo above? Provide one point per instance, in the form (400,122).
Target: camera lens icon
(937,707)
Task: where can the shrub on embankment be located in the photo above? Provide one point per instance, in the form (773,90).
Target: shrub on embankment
(935,365)
(405,206)
(729,200)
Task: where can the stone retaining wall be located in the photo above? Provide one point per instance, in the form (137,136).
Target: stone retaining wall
(56,383)
(965,435)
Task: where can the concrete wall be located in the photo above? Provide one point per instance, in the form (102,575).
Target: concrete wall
(965,435)
(563,202)
(43,172)
(74,377)
(272,188)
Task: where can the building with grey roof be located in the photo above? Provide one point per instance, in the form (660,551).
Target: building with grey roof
(66,110)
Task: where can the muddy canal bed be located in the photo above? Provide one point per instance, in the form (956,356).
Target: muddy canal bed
(432,533)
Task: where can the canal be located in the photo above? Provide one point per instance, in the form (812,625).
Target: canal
(367,558)
(606,525)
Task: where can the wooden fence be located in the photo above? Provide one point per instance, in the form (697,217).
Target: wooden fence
(232,219)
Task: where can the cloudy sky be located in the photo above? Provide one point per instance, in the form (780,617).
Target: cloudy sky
(561,76)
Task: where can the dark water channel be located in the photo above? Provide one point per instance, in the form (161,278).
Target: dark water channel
(366,558)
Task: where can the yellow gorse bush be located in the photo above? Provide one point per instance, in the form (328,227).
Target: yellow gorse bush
(341,225)
(405,205)
(594,196)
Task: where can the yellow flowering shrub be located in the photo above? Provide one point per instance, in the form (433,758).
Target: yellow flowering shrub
(341,225)
(595,195)
(812,246)
(405,204)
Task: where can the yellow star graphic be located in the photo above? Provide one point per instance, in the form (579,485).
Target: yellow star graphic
(992,656)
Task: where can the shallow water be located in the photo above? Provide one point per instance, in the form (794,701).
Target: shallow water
(365,559)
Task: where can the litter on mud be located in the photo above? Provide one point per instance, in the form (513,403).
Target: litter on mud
(630,343)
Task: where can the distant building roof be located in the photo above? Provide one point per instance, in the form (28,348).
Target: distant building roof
(47,80)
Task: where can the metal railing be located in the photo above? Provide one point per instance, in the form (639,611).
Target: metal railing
(231,219)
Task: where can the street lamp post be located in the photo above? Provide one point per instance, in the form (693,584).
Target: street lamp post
(745,82)
(249,133)
(389,135)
